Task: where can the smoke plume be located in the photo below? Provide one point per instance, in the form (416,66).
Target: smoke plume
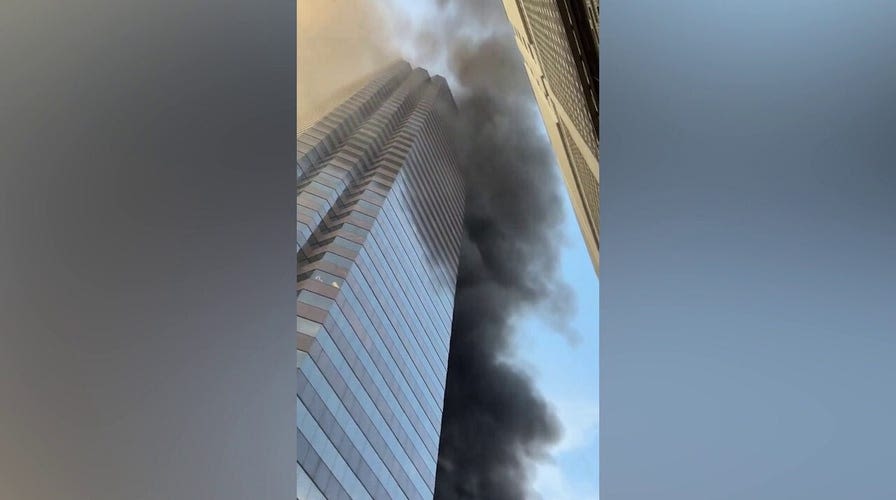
(495,425)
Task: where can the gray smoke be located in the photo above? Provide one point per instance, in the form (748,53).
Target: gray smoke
(495,424)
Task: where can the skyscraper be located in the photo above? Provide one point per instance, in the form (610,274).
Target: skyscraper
(559,42)
(379,226)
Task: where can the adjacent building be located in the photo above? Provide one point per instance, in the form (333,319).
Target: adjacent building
(559,42)
(378,233)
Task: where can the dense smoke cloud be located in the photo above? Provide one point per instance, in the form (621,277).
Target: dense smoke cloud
(495,423)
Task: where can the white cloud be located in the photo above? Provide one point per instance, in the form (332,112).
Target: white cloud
(553,484)
(581,423)
(580,419)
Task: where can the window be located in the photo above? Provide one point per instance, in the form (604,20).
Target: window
(367,207)
(362,217)
(307,327)
(348,245)
(326,278)
(337,259)
(313,299)
(351,228)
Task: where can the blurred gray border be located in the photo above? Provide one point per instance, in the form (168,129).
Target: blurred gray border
(147,266)
(748,210)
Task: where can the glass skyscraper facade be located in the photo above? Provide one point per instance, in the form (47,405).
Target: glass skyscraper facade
(378,233)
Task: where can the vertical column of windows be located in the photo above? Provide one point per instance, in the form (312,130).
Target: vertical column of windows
(556,57)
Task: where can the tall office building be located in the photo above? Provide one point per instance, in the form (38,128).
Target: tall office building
(559,42)
(379,226)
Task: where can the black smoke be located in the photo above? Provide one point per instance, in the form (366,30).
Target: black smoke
(495,423)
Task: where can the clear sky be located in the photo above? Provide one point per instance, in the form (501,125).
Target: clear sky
(565,374)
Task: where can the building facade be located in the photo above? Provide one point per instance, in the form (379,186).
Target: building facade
(378,233)
(559,42)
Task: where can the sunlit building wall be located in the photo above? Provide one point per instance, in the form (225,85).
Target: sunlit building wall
(559,42)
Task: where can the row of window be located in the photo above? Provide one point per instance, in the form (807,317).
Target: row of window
(431,295)
(341,122)
(444,275)
(587,183)
(324,187)
(329,471)
(405,288)
(364,316)
(406,276)
(348,351)
(322,409)
(392,197)
(431,174)
(427,368)
(388,344)
(339,385)
(305,487)
(357,345)
(556,58)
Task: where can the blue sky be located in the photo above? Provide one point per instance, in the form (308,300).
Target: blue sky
(566,374)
